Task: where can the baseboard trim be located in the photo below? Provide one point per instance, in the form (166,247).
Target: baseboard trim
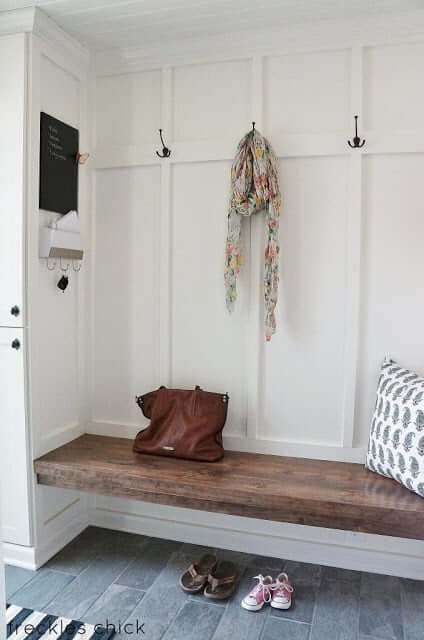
(19,556)
(315,451)
(58,438)
(35,557)
(46,550)
(347,550)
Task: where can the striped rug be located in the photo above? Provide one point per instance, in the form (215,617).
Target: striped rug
(26,624)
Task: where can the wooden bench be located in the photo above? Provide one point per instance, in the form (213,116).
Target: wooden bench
(335,495)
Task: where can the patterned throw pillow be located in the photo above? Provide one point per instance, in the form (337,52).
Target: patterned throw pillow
(396,445)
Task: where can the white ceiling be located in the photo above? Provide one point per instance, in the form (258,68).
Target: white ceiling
(105,24)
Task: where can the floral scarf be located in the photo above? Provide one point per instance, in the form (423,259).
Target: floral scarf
(254,188)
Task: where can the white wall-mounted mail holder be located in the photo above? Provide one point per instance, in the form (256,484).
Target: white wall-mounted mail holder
(55,243)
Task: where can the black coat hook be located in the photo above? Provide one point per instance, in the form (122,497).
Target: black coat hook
(356,142)
(165,151)
(253,126)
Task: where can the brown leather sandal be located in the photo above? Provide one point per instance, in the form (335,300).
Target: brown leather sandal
(222,581)
(196,576)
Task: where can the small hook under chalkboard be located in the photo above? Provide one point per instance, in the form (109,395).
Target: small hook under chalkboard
(165,151)
(356,142)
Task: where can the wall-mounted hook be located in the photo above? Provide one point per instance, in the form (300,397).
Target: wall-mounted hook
(356,142)
(61,266)
(165,151)
(76,266)
(253,126)
(49,267)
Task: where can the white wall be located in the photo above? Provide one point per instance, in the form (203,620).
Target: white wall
(152,310)
(159,312)
(58,337)
(351,256)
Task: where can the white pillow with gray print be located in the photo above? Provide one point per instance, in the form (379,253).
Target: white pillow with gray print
(396,445)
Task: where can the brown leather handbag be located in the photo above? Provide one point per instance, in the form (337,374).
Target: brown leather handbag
(183,424)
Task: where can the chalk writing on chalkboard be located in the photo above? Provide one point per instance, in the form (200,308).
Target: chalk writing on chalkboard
(59,144)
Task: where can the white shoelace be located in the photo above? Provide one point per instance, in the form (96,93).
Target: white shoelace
(265,588)
(283,585)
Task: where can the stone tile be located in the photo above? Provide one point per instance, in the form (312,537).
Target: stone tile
(16,578)
(39,591)
(80,595)
(275,564)
(362,637)
(145,568)
(306,579)
(236,622)
(194,621)
(275,629)
(334,573)
(192,552)
(114,606)
(240,559)
(303,573)
(163,600)
(412,597)
(110,540)
(77,555)
(303,604)
(336,611)
(380,607)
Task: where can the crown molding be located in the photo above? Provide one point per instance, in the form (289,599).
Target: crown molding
(46,29)
(317,36)
(34,20)
(17,21)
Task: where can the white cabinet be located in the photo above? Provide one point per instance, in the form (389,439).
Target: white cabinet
(2,594)
(2,591)
(14,459)
(12,177)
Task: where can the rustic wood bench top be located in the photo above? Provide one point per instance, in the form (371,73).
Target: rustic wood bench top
(335,495)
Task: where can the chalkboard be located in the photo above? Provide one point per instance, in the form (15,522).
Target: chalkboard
(59,145)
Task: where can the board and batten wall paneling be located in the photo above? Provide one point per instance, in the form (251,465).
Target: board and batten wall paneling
(54,319)
(304,102)
(208,344)
(128,109)
(126,285)
(211,101)
(394,97)
(307,92)
(303,364)
(392,312)
(57,321)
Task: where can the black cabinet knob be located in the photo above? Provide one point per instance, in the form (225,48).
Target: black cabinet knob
(15,311)
(16,344)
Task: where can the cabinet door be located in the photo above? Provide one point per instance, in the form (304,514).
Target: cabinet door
(2,594)
(15,466)
(12,177)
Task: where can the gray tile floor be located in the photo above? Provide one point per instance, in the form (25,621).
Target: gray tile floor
(107,576)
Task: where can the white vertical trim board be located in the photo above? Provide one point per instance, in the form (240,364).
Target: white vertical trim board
(255,329)
(165,235)
(353,252)
(57,516)
(353,292)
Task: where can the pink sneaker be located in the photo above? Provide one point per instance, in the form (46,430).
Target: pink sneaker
(282,592)
(259,595)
